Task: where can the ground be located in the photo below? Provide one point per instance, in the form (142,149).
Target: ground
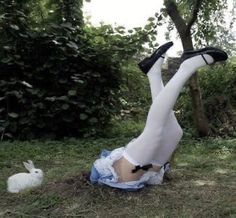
(203,182)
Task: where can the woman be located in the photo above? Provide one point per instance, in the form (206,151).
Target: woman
(142,161)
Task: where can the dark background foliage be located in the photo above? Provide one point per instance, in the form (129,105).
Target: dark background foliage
(218,94)
(60,77)
(69,92)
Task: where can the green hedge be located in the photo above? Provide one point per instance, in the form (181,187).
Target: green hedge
(74,85)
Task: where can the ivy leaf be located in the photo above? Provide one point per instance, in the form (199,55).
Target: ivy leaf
(148,27)
(15,93)
(72,93)
(24,121)
(15,27)
(67,25)
(26,84)
(63,98)
(56,42)
(63,81)
(67,118)
(65,106)
(13,115)
(5,60)
(50,98)
(72,45)
(160,18)
(151,19)
(130,31)
(93,120)
(153,38)
(83,116)
(9,135)
(7,48)
(23,35)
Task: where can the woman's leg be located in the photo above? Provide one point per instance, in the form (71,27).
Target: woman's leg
(173,132)
(142,151)
(155,78)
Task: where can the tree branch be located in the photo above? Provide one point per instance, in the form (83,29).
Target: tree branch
(172,11)
(195,11)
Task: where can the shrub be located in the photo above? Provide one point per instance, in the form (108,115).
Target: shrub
(74,85)
(63,80)
(219,94)
(59,76)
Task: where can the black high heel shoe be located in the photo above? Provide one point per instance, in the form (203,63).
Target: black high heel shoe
(146,64)
(216,53)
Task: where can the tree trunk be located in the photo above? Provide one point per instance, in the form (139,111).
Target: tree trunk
(199,117)
(184,29)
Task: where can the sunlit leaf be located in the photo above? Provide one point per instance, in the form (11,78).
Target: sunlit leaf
(15,27)
(83,116)
(72,92)
(13,115)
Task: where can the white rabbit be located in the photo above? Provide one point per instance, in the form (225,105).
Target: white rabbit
(20,181)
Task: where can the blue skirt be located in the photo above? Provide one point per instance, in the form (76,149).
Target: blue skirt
(108,176)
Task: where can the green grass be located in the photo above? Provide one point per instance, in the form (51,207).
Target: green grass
(203,182)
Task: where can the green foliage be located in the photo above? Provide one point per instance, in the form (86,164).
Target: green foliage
(125,127)
(69,94)
(41,13)
(73,91)
(64,80)
(134,102)
(134,91)
(212,25)
(219,94)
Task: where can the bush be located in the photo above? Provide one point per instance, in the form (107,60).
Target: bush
(74,85)
(219,94)
(135,92)
(59,76)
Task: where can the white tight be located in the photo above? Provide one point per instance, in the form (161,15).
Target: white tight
(162,132)
(173,132)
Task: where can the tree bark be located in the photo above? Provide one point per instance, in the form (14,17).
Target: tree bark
(183,27)
(199,117)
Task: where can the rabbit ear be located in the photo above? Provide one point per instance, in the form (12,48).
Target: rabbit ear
(31,164)
(27,166)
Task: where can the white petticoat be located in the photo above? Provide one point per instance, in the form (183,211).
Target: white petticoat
(104,166)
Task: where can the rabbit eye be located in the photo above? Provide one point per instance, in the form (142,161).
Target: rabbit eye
(36,171)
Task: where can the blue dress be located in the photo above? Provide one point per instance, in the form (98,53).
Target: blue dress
(103,173)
